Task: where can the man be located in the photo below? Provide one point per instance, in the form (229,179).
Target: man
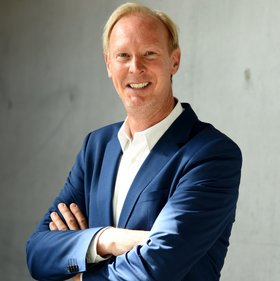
(153,198)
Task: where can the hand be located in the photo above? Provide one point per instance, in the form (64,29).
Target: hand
(77,277)
(75,220)
(117,241)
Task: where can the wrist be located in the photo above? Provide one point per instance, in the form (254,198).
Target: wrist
(105,243)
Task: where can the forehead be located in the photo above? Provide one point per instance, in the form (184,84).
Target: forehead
(138,27)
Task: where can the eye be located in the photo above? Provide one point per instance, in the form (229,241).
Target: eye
(150,53)
(122,55)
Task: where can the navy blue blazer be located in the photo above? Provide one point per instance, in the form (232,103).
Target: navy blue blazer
(185,193)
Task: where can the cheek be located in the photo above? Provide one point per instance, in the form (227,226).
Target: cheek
(163,74)
(118,73)
(118,79)
(165,68)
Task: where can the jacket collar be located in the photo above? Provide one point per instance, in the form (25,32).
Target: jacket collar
(176,136)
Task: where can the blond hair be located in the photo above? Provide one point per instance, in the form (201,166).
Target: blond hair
(133,8)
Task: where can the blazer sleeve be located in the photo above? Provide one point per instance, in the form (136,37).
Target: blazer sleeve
(58,255)
(194,217)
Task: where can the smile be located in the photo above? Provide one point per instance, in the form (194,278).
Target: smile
(138,85)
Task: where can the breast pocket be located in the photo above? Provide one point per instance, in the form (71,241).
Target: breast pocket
(158,195)
(147,209)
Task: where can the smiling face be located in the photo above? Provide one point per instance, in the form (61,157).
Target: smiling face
(140,64)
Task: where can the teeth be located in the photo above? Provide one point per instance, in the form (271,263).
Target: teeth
(139,86)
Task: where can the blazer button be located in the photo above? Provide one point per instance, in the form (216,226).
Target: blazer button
(72,266)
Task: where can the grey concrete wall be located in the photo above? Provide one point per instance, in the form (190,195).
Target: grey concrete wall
(54,89)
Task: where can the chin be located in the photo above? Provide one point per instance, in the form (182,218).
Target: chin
(140,106)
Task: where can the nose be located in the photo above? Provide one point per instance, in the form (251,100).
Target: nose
(136,65)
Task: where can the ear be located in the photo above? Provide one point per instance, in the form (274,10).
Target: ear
(108,64)
(175,60)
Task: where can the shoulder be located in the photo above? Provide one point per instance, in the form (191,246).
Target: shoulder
(104,133)
(210,139)
(202,136)
(211,152)
(97,140)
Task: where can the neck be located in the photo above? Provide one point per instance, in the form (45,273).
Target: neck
(140,122)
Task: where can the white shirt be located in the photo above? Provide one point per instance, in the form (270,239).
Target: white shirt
(135,152)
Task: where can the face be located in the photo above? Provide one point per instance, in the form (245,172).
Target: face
(140,64)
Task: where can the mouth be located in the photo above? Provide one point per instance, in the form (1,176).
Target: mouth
(138,86)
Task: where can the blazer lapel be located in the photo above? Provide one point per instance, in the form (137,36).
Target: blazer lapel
(167,146)
(151,166)
(106,184)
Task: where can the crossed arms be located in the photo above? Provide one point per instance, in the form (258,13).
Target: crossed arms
(192,225)
(112,241)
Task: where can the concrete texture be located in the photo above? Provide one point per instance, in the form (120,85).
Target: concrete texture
(54,89)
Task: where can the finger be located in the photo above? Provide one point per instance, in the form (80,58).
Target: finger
(68,216)
(59,224)
(80,218)
(76,277)
(52,226)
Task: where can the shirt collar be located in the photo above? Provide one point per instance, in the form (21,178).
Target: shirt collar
(152,134)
